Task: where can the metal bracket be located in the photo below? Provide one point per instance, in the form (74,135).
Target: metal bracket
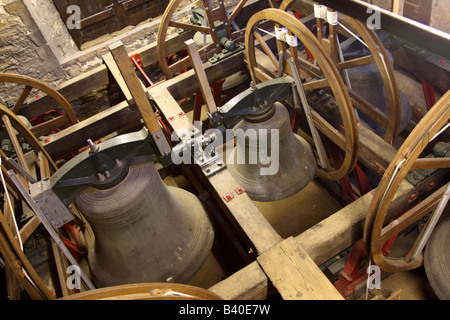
(50,205)
(202,150)
(225,53)
(51,220)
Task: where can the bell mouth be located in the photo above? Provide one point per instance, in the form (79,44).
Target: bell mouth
(258,115)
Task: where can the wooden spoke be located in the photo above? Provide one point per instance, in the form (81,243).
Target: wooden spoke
(355,62)
(22,99)
(378,55)
(323,75)
(68,116)
(188,26)
(266,48)
(376,230)
(316,84)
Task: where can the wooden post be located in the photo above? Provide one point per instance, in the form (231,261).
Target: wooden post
(397,6)
(125,66)
(201,75)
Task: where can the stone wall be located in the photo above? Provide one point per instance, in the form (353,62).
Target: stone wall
(34,42)
(23,49)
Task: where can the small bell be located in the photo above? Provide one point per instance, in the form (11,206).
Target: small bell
(271,162)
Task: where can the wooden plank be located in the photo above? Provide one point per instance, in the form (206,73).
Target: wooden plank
(185,84)
(131,80)
(125,66)
(201,75)
(249,283)
(251,220)
(96,127)
(72,89)
(374,152)
(170,109)
(294,274)
(427,68)
(112,66)
(397,6)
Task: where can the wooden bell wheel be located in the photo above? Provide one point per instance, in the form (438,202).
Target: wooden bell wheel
(325,77)
(12,239)
(146,291)
(376,230)
(33,86)
(218,23)
(378,54)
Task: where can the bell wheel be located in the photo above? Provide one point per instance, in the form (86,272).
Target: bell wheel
(266,62)
(410,156)
(390,120)
(42,120)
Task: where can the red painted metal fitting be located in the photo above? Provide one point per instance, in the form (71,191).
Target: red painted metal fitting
(239,190)
(413,196)
(228,197)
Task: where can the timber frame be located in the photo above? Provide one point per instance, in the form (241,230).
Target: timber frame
(299,255)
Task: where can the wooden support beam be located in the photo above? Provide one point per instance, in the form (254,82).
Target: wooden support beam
(249,283)
(256,227)
(397,6)
(112,66)
(72,89)
(200,73)
(295,275)
(96,127)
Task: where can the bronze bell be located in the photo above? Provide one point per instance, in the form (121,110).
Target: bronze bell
(292,164)
(145,231)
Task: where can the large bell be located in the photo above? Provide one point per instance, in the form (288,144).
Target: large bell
(265,180)
(145,231)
